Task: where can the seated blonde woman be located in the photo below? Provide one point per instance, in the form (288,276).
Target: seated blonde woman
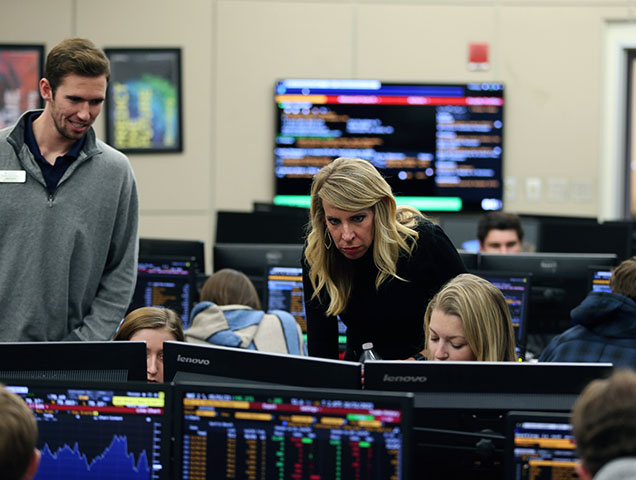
(230,314)
(468,319)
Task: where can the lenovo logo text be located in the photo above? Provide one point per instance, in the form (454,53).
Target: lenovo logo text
(196,361)
(404,378)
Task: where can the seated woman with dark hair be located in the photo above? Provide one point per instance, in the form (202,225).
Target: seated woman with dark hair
(230,314)
(468,319)
(154,326)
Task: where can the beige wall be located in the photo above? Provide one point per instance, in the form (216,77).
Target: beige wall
(549,54)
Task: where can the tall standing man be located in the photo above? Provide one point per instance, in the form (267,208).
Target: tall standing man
(68,210)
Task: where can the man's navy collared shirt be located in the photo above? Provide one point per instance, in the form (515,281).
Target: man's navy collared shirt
(51,173)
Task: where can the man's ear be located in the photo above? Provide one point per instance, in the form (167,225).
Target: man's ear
(33,465)
(582,472)
(45,90)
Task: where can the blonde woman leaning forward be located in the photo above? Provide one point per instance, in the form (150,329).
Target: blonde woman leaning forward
(370,263)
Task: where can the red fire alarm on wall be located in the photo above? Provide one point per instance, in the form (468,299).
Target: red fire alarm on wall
(478,56)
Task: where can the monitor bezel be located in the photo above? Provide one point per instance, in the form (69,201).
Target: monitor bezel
(227,364)
(45,360)
(483,377)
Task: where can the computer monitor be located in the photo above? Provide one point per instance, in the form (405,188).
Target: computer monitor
(103,361)
(470,259)
(439,146)
(168,282)
(234,431)
(582,235)
(110,431)
(275,226)
(539,445)
(285,291)
(559,283)
(599,279)
(185,362)
(460,407)
(496,379)
(516,289)
(253,259)
(163,247)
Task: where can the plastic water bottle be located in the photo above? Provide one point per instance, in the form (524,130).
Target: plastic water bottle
(368,353)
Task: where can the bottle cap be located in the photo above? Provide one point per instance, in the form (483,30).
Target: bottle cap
(367,346)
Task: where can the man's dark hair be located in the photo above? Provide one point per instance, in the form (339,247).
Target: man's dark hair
(623,279)
(77,56)
(604,420)
(499,221)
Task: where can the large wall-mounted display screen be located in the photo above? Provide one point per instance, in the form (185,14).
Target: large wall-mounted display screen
(440,146)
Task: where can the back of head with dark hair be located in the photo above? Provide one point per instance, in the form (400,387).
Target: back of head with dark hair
(604,420)
(623,279)
(76,56)
(230,287)
(18,436)
(499,221)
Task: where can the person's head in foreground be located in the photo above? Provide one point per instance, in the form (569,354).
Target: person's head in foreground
(230,287)
(604,423)
(154,326)
(19,456)
(500,232)
(468,319)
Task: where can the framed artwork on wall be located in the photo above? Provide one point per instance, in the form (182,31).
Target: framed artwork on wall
(20,72)
(143,104)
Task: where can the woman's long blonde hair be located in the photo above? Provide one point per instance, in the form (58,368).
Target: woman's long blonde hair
(354,184)
(484,313)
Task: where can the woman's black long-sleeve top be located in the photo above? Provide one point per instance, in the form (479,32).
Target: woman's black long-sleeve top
(392,317)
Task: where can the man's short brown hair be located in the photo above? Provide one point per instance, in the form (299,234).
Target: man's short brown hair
(623,279)
(18,435)
(604,420)
(499,221)
(77,56)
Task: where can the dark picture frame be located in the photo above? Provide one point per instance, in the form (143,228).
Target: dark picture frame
(143,104)
(21,68)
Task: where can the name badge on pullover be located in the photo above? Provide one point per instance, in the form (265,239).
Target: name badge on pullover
(12,176)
